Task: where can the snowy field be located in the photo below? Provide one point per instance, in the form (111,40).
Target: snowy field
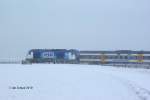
(73,82)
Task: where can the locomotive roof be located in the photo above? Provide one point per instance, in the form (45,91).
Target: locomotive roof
(59,50)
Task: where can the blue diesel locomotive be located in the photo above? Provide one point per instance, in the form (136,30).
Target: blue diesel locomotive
(52,56)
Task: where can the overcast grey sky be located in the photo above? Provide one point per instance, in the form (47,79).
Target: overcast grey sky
(79,24)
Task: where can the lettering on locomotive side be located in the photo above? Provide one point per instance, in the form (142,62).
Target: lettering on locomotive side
(48,55)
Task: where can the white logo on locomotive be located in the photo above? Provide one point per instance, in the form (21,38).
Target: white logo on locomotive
(48,54)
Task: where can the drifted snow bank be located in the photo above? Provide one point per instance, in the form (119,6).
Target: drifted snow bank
(73,82)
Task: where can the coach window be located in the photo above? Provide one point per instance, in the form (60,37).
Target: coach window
(125,57)
(121,57)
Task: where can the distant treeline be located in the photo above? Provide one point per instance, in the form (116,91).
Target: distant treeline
(10,61)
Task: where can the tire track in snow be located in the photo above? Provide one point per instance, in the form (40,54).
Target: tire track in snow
(142,93)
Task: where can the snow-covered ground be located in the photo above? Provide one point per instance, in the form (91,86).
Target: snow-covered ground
(73,82)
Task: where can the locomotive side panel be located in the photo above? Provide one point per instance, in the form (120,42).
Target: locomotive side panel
(53,56)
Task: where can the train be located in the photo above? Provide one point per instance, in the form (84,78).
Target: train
(74,56)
